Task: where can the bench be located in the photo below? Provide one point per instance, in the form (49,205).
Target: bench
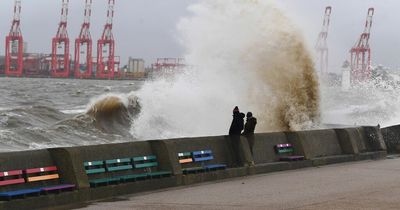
(198,157)
(186,158)
(44,174)
(27,176)
(133,169)
(101,167)
(285,151)
(148,164)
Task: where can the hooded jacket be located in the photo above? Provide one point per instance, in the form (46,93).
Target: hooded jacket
(250,125)
(237,123)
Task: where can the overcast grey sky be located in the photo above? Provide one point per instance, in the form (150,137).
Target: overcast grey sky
(146,28)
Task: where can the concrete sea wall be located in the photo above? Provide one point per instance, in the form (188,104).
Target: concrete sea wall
(319,147)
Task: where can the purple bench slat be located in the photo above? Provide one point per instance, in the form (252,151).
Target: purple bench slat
(58,187)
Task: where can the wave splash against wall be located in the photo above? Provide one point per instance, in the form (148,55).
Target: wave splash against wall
(242,52)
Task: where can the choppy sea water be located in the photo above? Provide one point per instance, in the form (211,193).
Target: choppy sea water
(42,113)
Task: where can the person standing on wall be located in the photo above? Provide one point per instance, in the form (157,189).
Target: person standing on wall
(237,122)
(249,128)
(235,130)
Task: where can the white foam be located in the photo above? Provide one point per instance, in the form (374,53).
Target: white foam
(241,55)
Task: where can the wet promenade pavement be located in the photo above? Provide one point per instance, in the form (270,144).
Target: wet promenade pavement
(355,185)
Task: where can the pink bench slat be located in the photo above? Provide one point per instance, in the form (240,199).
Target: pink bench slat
(12,181)
(10,173)
(38,170)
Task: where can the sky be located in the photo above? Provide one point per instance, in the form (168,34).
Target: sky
(147,28)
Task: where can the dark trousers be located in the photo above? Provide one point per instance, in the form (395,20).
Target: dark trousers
(250,140)
(237,153)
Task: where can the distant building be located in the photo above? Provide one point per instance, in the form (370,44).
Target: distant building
(135,65)
(135,69)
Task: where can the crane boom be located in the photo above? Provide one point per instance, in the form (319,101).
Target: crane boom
(14,45)
(322,44)
(361,53)
(106,47)
(83,46)
(60,60)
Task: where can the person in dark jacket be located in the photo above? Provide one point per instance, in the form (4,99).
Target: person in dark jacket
(249,128)
(234,133)
(237,122)
(250,125)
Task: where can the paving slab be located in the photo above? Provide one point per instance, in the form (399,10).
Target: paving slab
(355,185)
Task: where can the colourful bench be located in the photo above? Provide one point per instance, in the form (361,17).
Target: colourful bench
(198,157)
(149,164)
(186,158)
(27,176)
(138,168)
(286,151)
(101,167)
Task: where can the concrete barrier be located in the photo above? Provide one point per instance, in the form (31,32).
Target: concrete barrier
(315,143)
(350,140)
(263,149)
(391,136)
(374,138)
(319,147)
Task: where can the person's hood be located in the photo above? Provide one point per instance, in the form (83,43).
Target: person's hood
(251,119)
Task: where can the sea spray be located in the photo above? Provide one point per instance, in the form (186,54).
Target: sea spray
(241,52)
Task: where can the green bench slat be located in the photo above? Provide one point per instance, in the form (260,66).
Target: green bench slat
(93,163)
(95,170)
(119,168)
(132,176)
(104,180)
(146,165)
(142,158)
(285,150)
(160,173)
(123,160)
(183,154)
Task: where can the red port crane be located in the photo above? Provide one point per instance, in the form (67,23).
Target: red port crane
(83,46)
(15,45)
(361,53)
(168,64)
(106,47)
(60,60)
(322,44)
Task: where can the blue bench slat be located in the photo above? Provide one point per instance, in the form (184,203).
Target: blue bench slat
(212,166)
(194,169)
(19,192)
(198,159)
(202,152)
